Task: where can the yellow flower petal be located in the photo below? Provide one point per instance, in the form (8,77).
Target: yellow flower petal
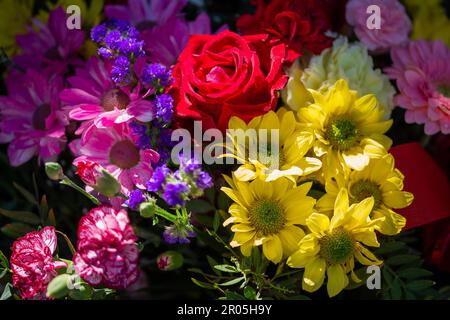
(272,249)
(314,275)
(290,236)
(340,208)
(337,280)
(318,224)
(397,199)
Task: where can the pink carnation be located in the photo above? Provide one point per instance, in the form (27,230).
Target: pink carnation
(395,23)
(32,263)
(94,98)
(107,253)
(52,47)
(422,72)
(31,119)
(115,149)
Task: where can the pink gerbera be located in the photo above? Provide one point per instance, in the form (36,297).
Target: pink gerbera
(95,99)
(106,249)
(32,263)
(31,119)
(52,47)
(422,71)
(115,149)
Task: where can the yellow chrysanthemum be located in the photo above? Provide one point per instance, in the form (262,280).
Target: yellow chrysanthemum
(350,62)
(14,17)
(270,157)
(333,245)
(267,214)
(380,180)
(430,21)
(349,130)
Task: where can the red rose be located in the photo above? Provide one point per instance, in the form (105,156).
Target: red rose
(300,24)
(225,75)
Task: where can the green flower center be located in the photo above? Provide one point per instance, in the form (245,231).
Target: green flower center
(342,133)
(363,189)
(337,247)
(267,217)
(271,158)
(444,90)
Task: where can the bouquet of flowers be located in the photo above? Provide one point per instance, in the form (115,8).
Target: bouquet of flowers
(250,150)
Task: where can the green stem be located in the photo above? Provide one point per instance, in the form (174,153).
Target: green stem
(66,181)
(69,243)
(165,214)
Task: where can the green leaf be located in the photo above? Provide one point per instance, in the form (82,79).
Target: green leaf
(22,216)
(58,287)
(402,259)
(418,285)
(226,268)
(202,284)
(249,293)
(232,282)
(414,273)
(390,247)
(4,260)
(396,289)
(27,194)
(216,221)
(231,295)
(84,292)
(7,292)
(15,230)
(213,263)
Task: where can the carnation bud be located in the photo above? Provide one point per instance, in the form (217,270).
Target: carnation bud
(169,260)
(58,287)
(97,177)
(54,171)
(147,209)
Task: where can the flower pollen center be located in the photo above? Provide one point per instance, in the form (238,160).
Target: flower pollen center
(363,189)
(337,247)
(444,89)
(40,115)
(342,133)
(267,217)
(115,98)
(124,154)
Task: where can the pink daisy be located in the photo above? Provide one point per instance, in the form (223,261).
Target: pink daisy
(422,71)
(146,13)
(52,47)
(31,119)
(32,263)
(106,249)
(115,149)
(164,43)
(95,99)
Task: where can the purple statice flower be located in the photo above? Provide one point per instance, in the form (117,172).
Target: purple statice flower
(98,33)
(135,198)
(175,234)
(204,180)
(158,178)
(175,193)
(139,131)
(164,108)
(156,75)
(120,71)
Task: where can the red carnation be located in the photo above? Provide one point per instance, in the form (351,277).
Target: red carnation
(32,263)
(225,75)
(107,253)
(299,24)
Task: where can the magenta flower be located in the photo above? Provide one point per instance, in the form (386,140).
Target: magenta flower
(51,48)
(115,149)
(394,28)
(164,43)
(422,71)
(31,119)
(106,249)
(32,263)
(96,100)
(146,13)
